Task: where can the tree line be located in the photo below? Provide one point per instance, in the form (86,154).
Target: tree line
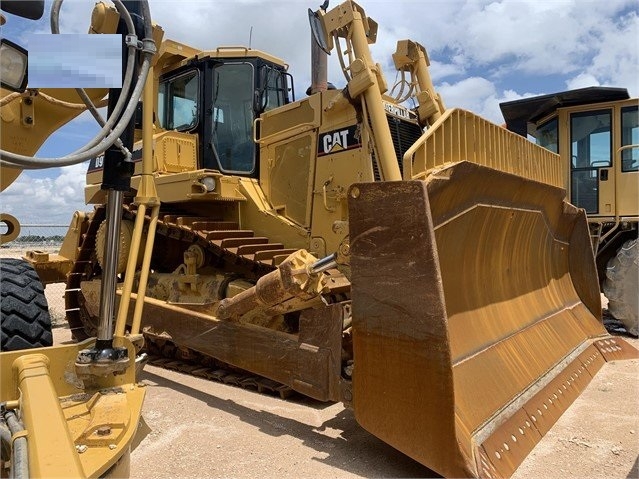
(38,239)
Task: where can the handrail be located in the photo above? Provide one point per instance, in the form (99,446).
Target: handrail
(232,47)
(627,147)
(459,135)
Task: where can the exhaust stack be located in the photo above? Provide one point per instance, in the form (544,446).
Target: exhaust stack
(319,68)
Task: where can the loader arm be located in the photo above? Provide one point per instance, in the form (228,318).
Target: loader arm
(412,57)
(29,118)
(365,79)
(62,413)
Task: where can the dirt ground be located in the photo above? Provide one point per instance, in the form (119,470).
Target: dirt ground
(193,428)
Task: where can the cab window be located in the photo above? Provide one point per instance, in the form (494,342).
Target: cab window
(630,136)
(275,88)
(590,150)
(178,102)
(547,135)
(232,123)
(591,140)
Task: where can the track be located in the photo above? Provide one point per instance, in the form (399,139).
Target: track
(228,249)
(165,354)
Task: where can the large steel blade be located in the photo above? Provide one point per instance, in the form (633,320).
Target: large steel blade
(475,300)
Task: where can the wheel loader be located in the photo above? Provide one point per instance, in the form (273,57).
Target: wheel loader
(65,410)
(596,132)
(420,265)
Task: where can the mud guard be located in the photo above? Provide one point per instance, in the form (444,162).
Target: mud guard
(476,316)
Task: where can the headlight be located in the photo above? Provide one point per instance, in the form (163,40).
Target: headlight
(209,183)
(13,59)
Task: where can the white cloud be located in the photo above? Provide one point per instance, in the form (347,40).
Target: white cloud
(480,96)
(29,197)
(441,70)
(583,80)
(617,61)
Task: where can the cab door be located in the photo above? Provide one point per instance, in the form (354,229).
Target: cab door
(627,158)
(592,175)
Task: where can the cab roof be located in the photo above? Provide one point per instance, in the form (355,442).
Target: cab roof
(242,52)
(173,54)
(519,113)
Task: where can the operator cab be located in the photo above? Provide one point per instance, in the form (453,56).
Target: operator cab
(218,95)
(598,129)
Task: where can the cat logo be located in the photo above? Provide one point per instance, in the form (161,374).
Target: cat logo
(338,140)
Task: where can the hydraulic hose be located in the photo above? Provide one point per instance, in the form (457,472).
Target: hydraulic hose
(126,84)
(20,458)
(28,162)
(101,142)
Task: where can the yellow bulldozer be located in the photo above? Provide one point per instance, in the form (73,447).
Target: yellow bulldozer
(420,265)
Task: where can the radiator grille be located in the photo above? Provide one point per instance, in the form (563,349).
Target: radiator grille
(404,134)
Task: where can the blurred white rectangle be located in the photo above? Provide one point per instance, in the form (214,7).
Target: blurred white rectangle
(75,61)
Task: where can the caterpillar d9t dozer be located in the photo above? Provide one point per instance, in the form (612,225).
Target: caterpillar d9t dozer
(435,281)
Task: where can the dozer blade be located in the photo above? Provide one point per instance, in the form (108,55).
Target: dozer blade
(476,316)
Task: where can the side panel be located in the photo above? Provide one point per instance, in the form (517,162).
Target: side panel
(290,169)
(287,142)
(343,159)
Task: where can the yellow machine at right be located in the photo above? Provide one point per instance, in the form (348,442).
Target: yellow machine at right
(596,132)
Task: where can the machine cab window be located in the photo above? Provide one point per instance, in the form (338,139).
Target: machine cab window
(219,99)
(178,105)
(590,150)
(629,139)
(232,125)
(547,135)
(273,89)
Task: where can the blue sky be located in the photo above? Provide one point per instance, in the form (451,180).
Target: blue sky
(482,53)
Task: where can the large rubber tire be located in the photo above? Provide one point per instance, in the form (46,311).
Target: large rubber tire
(621,286)
(25,321)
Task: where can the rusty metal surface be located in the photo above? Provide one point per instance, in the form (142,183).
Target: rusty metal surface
(308,362)
(83,267)
(615,348)
(51,268)
(468,300)
(501,453)
(165,354)
(403,390)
